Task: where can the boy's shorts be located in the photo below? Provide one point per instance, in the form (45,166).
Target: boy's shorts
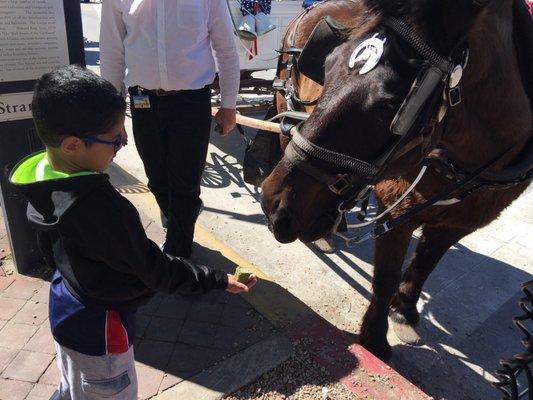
(86,377)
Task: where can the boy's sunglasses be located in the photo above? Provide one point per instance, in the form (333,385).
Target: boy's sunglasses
(116,143)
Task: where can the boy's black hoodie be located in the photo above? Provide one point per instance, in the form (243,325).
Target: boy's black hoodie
(95,238)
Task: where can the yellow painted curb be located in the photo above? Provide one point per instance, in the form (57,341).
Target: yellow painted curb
(207,239)
(276,303)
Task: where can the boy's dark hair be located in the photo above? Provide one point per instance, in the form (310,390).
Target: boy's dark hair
(72,101)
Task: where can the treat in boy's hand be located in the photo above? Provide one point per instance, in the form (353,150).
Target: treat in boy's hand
(242,275)
(241,282)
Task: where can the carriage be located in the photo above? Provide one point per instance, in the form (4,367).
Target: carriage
(261,54)
(283,11)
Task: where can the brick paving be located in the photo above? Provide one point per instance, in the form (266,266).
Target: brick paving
(176,337)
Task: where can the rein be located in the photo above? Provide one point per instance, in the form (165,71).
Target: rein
(383,227)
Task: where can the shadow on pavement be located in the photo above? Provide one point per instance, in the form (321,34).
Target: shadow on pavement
(466,319)
(125,183)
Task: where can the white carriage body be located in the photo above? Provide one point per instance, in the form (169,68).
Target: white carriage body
(283,12)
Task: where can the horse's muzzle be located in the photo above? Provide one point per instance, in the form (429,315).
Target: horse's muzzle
(281,223)
(286,227)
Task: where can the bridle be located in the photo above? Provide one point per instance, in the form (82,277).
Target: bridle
(418,126)
(287,87)
(415,125)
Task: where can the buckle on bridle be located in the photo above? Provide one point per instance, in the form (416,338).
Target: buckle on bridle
(341,185)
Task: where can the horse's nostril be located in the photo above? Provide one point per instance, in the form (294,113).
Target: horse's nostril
(282,224)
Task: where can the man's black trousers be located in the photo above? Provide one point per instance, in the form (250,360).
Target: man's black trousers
(172,138)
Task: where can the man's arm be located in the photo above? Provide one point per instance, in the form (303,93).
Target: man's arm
(112,34)
(223,43)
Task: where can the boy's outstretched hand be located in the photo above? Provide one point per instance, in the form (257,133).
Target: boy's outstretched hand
(236,287)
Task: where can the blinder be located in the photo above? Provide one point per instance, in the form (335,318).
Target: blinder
(327,35)
(310,60)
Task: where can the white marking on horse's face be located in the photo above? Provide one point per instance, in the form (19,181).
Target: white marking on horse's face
(370,51)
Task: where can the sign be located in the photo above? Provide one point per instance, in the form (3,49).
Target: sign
(15,106)
(33,38)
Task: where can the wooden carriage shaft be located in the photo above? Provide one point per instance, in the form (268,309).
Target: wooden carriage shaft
(253,122)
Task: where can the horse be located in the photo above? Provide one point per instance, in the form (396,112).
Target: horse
(424,102)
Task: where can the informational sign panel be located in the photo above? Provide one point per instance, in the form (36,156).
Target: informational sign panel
(33,38)
(36,36)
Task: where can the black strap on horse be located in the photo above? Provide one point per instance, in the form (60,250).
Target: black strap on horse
(522,169)
(517,172)
(386,226)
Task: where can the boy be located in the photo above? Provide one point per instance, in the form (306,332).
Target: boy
(105,265)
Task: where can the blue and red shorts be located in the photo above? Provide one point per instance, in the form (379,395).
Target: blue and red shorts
(88,330)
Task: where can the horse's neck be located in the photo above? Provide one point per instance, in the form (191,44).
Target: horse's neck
(495,114)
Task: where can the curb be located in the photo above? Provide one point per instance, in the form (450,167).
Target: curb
(351,364)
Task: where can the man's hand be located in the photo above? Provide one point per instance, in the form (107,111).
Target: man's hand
(226,120)
(236,287)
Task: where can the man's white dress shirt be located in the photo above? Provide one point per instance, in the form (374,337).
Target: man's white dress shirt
(167,44)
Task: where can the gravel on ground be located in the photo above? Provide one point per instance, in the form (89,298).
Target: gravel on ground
(298,378)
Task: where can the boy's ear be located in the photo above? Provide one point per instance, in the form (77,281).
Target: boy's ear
(71,145)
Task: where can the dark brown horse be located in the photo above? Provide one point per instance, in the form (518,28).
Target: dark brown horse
(490,127)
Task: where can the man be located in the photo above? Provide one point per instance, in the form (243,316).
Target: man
(162,52)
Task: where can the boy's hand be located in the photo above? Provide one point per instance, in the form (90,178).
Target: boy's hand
(236,287)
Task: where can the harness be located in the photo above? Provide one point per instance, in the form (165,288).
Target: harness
(326,35)
(418,127)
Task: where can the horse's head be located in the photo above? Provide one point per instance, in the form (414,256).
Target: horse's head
(372,120)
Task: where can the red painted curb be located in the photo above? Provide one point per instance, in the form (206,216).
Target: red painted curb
(360,371)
